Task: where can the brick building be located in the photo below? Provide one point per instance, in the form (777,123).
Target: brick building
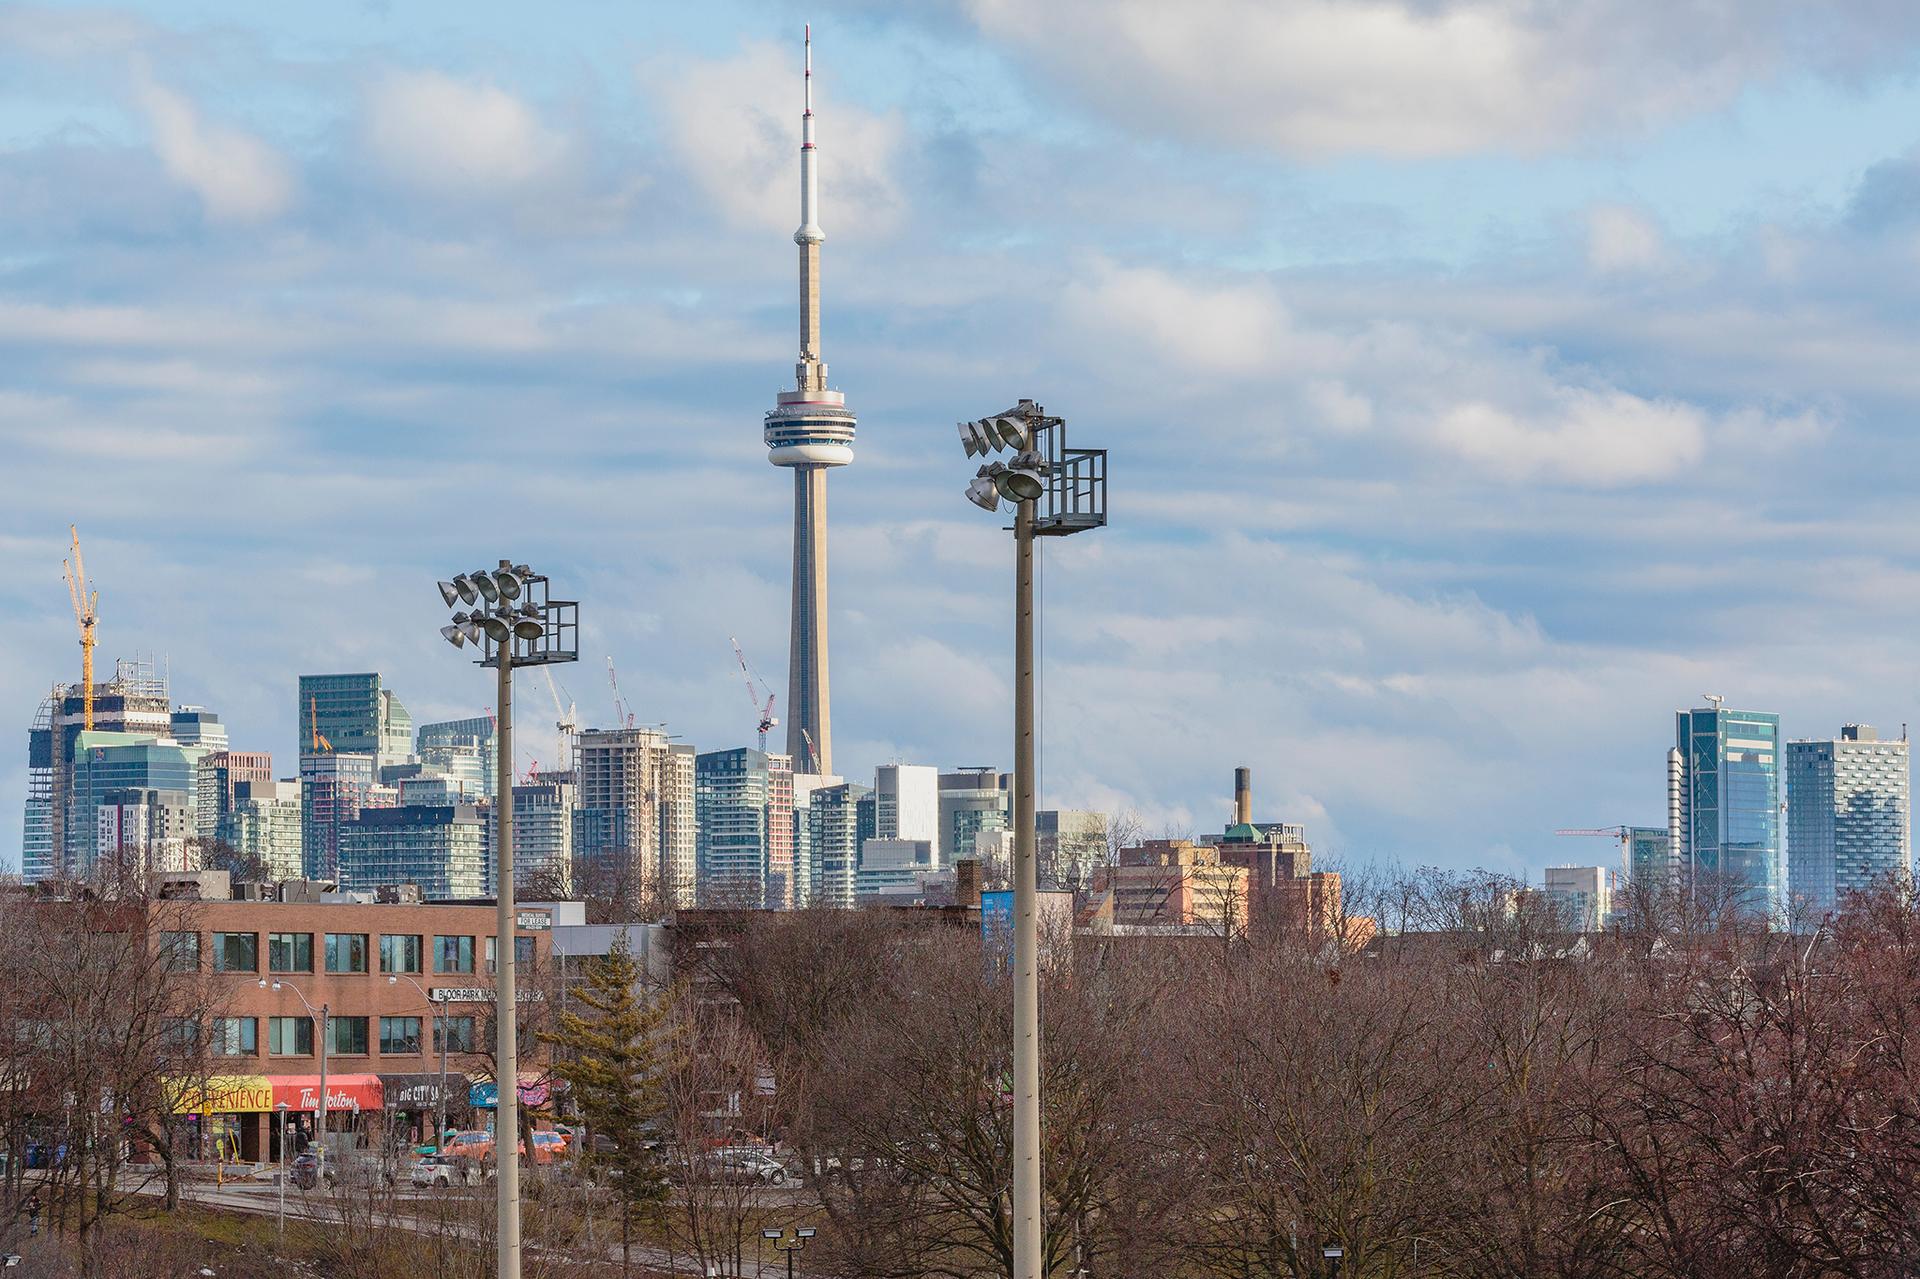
(393,978)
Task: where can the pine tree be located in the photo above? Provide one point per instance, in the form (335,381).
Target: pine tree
(610,1035)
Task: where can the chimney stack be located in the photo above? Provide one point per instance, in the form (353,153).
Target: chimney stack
(1243,796)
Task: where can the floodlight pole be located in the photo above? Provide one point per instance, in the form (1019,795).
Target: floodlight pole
(506,1089)
(1026,927)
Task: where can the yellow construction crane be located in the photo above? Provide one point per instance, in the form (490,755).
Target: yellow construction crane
(86,614)
(320,741)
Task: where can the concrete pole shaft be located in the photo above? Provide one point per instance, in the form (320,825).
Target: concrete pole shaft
(1026,929)
(506,1093)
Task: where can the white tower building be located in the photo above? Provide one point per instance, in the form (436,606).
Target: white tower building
(809,430)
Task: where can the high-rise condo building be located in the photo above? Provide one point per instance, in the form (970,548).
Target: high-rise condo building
(1847,818)
(1647,858)
(1723,806)
(112,764)
(197,726)
(743,800)
(634,815)
(906,802)
(134,701)
(972,800)
(443,849)
(334,788)
(806,864)
(809,431)
(463,748)
(263,825)
(219,775)
(353,715)
(839,823)
(1070,847)
(1582,894)
(144,832)
(543,832)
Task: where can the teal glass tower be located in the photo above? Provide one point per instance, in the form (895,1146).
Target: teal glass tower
(1724,804)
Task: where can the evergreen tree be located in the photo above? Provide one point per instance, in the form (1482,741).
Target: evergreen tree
(610,1037)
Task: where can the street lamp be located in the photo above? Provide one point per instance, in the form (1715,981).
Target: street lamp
(789,1244)
(1055,491)
(1332,1254)
(320,1014)
(280,1217)
(440,1109)
(538,631)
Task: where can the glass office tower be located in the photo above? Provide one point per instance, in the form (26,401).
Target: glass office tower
(1727,809)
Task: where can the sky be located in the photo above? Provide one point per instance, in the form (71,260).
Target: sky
(1483,380)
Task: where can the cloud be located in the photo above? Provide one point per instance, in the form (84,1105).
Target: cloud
(1428,77)
(734,124)
(1589,438)
(429,130)
(237,177)
(1620,238)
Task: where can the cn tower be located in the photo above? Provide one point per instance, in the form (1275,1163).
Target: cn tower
(809,430)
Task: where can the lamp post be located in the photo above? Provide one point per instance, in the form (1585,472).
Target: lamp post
(440,1097)
(280,1217)
(537,630)
(789,1244)
(1332,1254)
(1055,491)
(320,1126)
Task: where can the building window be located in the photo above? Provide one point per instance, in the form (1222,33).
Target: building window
(522,953)
(346,952)
(453,954)
(290,1036)
(236,952)
(457,1032)
(399,1036)
(236,1037)
(347,1035)
(180,1036)
(180,952)
(400,952)
(290,952)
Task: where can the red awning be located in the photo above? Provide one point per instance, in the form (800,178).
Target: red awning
(344,1092)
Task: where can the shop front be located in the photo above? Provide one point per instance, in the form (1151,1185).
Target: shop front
(412,1105)
(350,1098)
(225,1115)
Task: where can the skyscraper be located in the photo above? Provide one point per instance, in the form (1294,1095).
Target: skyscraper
(972,800)
(907,802)
(809,430)
(634,815)
(263,824)
(1723,804)
(743,800)
(462,748)
(839,821)
(114,769)
(334,788)
(1847,806)
(353,715)
(134,701)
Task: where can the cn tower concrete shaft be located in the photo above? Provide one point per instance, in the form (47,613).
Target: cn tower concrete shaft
(809,717)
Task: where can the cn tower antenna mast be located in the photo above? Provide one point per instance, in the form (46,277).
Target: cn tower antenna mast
(809,431)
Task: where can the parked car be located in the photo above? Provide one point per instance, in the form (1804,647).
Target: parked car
(442,1171)
(743,1165)
(547,1146)
(305,1171)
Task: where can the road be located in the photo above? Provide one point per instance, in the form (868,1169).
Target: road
(263,1199)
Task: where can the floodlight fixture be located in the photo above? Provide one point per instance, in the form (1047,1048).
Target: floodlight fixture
(805,1232)
(453,635)
(488,588)
(464,585)
(1012,432)
(529,628)
(773,1234)
(983,494)
(496,628)
(508,582)
(449,592)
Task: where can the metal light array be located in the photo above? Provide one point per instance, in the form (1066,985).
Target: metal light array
(1025,477)
(534,631)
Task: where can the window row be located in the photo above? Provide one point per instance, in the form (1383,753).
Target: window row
(293,1036)
(341,952)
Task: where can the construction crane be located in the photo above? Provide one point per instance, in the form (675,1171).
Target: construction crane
(765,712)
(813,756)
(623,715)
(567,725)
(320,742)
(86,615)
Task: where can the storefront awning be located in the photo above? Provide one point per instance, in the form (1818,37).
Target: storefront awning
(222,1095)
(535,1088)
(417,1091)
(344,1092)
